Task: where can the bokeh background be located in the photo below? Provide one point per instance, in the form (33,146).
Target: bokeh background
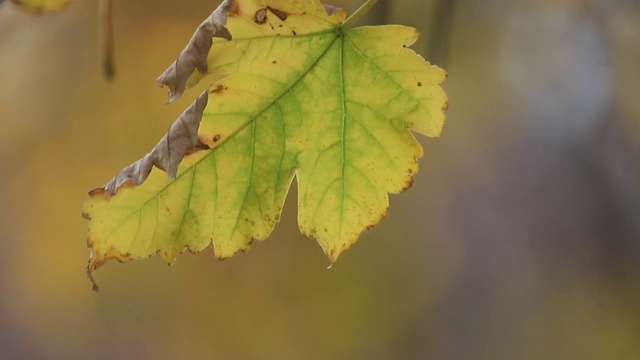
(520,238)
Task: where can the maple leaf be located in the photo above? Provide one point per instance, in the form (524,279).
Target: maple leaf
(302,95)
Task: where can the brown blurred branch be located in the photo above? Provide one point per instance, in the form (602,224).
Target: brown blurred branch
(440,26)
(440,34)
(106,35)
(379,14)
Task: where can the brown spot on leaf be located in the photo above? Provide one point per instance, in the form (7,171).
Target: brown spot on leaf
(261,16)
(274,62)
(199,147)
(216,138)
(294,32)
(218,90)
(234,8)
(279,13)
(419,83)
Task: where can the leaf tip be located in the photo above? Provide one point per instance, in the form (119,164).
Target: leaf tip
(407,185)
(96,192)
(333,255)
(168,79)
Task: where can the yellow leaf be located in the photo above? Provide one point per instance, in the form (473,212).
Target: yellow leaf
(42,5)
(305,97)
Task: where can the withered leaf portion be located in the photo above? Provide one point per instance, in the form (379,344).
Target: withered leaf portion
(331,9)
(168,153)
(194,56)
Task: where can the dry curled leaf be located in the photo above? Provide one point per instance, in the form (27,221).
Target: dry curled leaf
(331,9)
(168,153)
(194,56)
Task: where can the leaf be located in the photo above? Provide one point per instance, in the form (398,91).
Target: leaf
(306,97)
(42,5)
(194,56)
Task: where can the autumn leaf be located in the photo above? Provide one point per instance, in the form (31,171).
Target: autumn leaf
(41,5)
(302,95)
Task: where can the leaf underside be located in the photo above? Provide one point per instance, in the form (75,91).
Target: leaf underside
(300,97)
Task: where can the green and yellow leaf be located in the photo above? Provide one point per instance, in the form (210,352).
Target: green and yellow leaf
(301,97)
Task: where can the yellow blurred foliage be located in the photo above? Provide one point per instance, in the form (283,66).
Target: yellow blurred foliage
(514,242)
(42,5)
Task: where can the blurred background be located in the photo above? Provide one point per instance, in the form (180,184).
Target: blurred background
(520,238)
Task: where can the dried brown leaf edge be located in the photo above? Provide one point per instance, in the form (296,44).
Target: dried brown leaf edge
(181,138)
(194,56)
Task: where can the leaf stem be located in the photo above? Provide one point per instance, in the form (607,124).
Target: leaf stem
(358,14)
(106,34)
